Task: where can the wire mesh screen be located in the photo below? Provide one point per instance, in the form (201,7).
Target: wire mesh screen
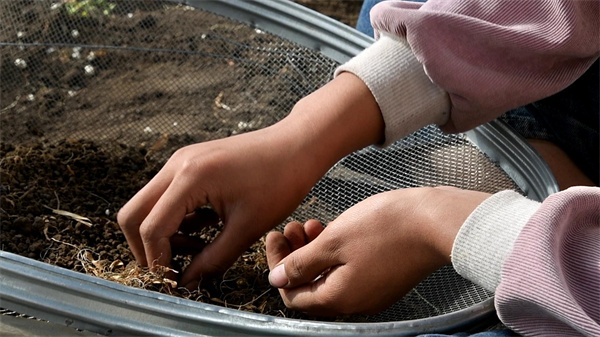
(155,76)
(134,71)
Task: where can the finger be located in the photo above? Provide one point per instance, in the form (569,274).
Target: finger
(164,220)
(217,256)
(294,233)
(198,219)
(132,214)
(322,297)
(277,247)
(186,245)
(305,264)
(333,295)
(312,229)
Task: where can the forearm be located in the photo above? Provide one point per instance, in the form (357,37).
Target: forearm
(407,98)
(337,119)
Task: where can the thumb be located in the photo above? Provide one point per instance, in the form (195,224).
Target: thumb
(303,265)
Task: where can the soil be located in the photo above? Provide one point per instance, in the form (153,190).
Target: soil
(77,144)
(40,182)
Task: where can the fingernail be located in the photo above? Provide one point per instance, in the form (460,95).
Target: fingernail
(277,277)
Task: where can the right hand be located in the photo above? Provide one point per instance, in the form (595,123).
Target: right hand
(372,254)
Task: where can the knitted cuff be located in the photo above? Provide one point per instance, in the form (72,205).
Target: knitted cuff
(487,237)
(406,96)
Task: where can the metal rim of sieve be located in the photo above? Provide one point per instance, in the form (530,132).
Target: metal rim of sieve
(88,303)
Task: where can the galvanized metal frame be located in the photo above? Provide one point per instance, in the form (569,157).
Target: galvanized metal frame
(89,303)
(292,22)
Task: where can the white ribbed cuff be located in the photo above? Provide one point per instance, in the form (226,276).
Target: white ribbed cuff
(406,96)
(487,237)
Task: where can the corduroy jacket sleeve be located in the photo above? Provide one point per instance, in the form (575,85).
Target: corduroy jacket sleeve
(487,57)
(541,259)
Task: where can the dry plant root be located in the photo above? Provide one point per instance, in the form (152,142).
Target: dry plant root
(131,275)
(76,217)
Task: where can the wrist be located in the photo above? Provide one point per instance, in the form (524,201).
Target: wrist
(323,127)
(449,208)
(488,235)
(338,119)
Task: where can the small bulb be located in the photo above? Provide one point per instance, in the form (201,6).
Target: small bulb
(89,70)
(76,53)
(20,63)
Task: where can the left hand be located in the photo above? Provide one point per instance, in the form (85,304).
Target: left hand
(252,180)
(372,254)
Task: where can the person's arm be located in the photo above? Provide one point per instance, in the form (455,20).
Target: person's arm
(488,56)
(252,181)
(541,260)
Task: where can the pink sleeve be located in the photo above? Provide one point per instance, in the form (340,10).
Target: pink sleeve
(492,56)
(550,282)
(541,260)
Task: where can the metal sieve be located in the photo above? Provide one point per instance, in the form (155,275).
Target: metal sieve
(109,70)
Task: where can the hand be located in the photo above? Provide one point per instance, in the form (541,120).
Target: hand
(252,181)
(246,181)
(372,254)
